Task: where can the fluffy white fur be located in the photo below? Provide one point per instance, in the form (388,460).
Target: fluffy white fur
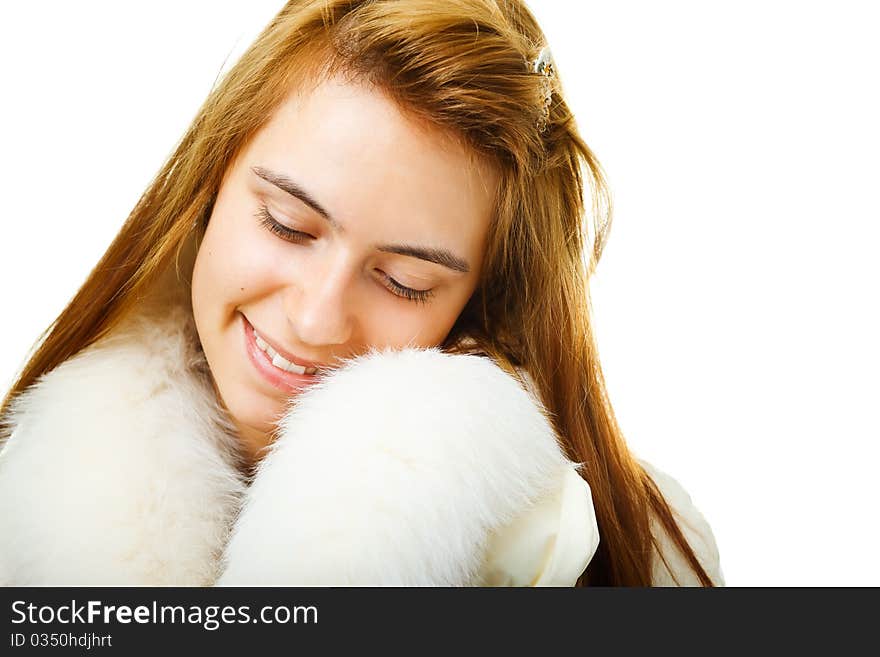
(118,470)
(399,469)
(396,472)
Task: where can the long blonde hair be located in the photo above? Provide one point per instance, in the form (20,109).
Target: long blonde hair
(462,66)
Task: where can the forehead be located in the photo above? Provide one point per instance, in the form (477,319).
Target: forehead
(373,166)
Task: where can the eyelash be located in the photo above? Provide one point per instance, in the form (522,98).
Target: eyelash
(273,225)
(419,296)
(269,222)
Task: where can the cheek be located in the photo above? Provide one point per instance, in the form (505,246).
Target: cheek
(232,264)
(420,326)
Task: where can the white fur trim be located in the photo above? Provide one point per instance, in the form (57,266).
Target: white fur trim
(396,470)
(116,472)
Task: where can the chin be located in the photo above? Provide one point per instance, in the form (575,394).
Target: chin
(257,409)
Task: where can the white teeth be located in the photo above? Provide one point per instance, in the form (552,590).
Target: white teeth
(279,361)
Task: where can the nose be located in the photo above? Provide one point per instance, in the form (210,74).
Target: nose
(318,307)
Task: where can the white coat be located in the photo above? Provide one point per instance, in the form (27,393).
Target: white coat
(409,467)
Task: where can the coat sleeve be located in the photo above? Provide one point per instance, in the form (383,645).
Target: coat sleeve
(413,468)
(696,530)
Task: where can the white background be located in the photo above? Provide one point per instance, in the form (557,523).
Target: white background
(736,303)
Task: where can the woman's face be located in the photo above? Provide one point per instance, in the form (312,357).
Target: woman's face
(380,203)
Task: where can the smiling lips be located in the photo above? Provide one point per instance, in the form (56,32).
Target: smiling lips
(277,370)
(279,361)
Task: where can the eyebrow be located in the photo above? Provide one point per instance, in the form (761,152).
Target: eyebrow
(436,255)
(285,184)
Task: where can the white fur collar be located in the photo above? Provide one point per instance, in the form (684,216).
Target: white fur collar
(411,467)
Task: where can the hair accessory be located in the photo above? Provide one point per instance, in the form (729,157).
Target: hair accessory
(545,65)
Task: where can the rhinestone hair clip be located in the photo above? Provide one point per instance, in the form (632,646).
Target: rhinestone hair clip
(546,67)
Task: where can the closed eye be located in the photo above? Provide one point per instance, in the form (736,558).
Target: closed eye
(270,223)
(419,296)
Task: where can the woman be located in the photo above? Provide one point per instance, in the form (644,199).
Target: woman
(344,337)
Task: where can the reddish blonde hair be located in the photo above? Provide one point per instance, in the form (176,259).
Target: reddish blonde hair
(460,65)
